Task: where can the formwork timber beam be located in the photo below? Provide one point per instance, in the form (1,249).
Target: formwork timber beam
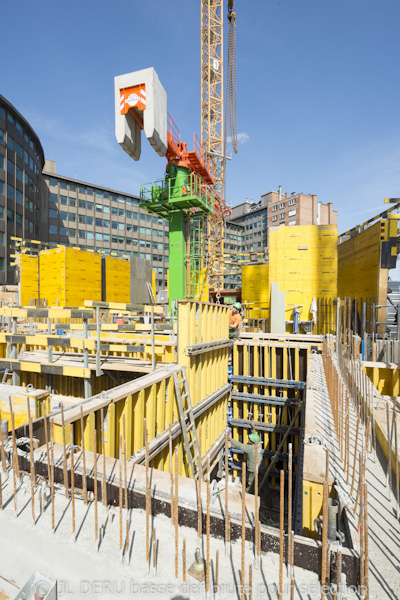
(120,306)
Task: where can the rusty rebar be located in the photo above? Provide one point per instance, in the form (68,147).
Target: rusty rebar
(360,466)
(31,460)
(84,474)
(362,537)
(95,484)
(199,506)
(3,453)
(125,484)
(250,597)
(339,571)
(148,499)
(227,490)
(216,572)
(208,527)
(154,550)
(176,512)
(120,504)
(65,468)
(281,531)
(72,476)
(366,554)
(103,450)
(355,452)
(15,455)
(184,560)
(324,538)
(52,475)
(289,522)
(46,437)
(171,475)
(14,440)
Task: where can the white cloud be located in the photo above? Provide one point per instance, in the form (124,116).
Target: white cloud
(242,138)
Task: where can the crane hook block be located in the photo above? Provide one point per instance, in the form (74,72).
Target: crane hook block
(140,103)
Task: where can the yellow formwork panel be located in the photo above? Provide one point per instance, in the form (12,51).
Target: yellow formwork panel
(117,280)
(255,289)
(29,278)
(69,276)
(20,406)
(303,261)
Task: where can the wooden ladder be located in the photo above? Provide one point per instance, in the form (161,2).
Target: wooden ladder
(188,424)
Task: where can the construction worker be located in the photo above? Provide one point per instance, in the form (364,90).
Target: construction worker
(250,450)
(235,321)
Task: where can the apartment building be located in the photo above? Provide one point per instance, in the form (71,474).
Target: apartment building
(96,218)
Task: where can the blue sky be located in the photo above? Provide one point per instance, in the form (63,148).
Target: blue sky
(318,91)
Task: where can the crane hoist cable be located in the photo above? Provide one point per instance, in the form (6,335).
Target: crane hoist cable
(231,82)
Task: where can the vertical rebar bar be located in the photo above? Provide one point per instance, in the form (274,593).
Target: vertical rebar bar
(250,597)
(52,475)
(120,503)
(366,555)
(281,531)
(208,527)
(154,551)
(324,538)
(148,501)
(184,560)
(103,450)
(95,483)
(289,522)
(355,453)
(14,441)
(31,460)
(3,453)
(64,453)
(199,506)
(46,437)
(125,484)
(171,475)
(226,489)
(216,572)
(176,512)
(84,474)
(71,427)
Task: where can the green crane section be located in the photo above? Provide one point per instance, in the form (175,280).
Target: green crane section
(185,200)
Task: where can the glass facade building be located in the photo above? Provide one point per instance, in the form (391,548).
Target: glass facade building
(38,204)
(23,193)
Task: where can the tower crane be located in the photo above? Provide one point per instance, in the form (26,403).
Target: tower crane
(191,194)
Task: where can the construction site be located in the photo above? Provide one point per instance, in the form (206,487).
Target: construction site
(202,441)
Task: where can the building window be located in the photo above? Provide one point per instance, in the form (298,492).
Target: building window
(291,213)
(89,205)
(10,192)
(64,200)
(63,215)
(282,205)
(10,142)
(274,208)
(292,201)
(19,197)
(282,216)
(275,218)
(89,235)
(53,213)
(19,174)
(10,216)
(292,222)
(82,204)
(53,229)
